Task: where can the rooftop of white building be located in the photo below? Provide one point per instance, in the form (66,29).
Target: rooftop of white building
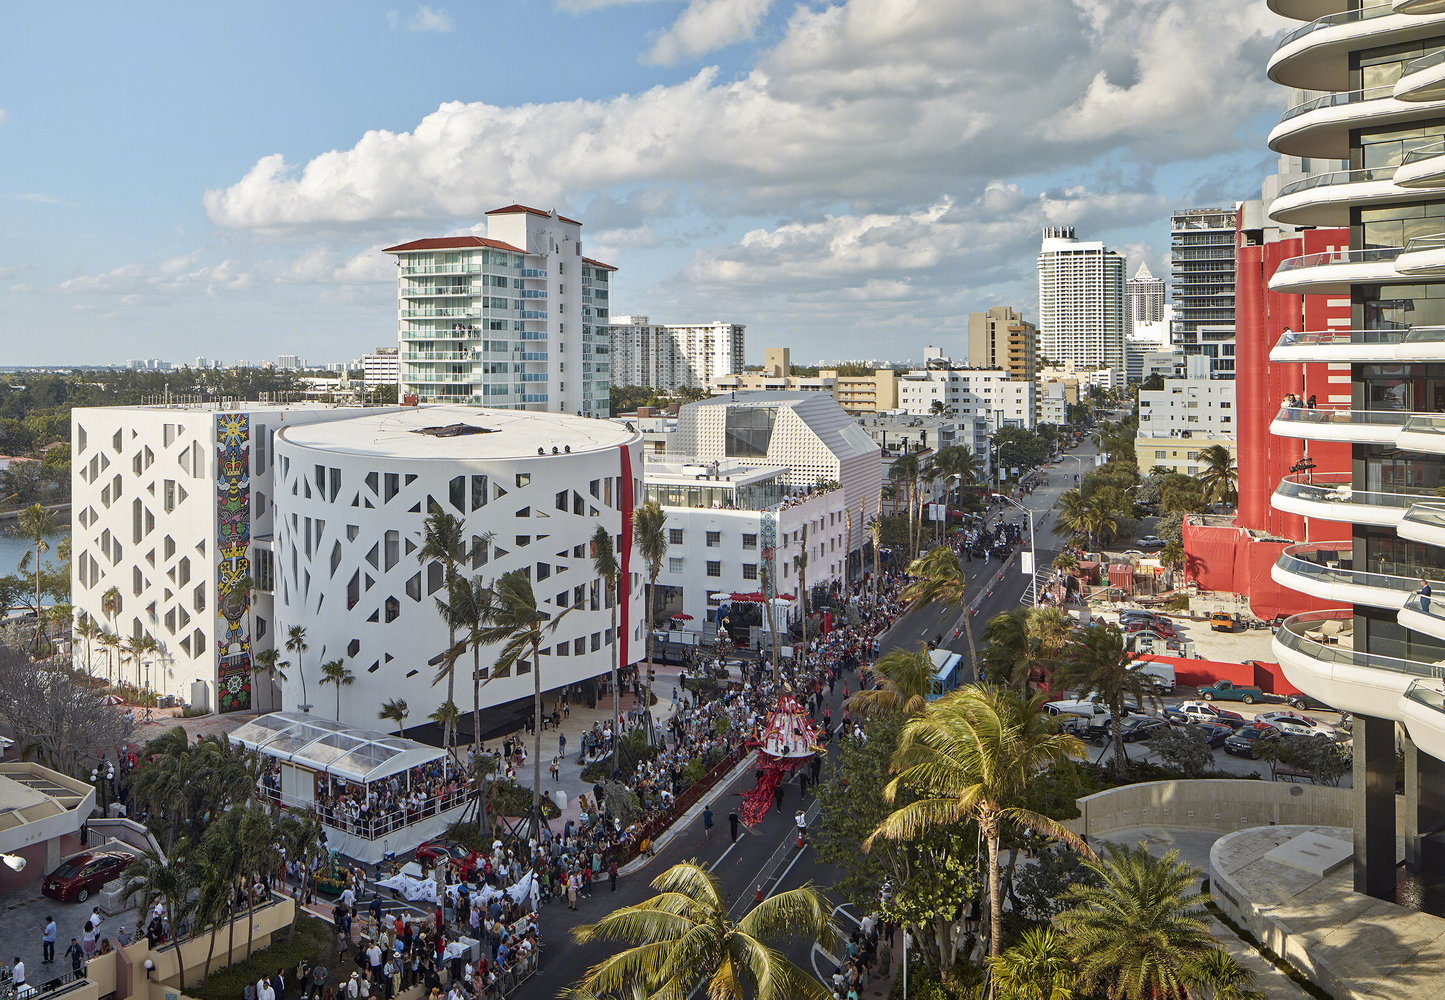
(461,432)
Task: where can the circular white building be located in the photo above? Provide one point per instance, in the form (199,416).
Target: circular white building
(352,499)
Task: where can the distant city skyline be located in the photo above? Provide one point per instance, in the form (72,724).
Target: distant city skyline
(245,217)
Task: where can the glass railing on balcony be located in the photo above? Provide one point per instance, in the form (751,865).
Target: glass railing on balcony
(1421,244)
(1335,177)
(1333,563)
(1428,693)
(1341,414)
(1331,20)
(1423,152)
(427,291)
(534,314)
(1425,335)
(1424,62)
(534,293)
(1307,634)
(1336,487)
(1369,255)
(1327,338)
(436,356)
(533,272)
(442,269)
(1338,99)
(1434,610)
(443,312)
(1425,423)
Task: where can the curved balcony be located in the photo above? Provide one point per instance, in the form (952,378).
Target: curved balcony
(1321,127)
(1316,651)
(1423,432)
(1325,570)
(1326,199)
(1334,271)
(1331,496)
(1423,713)
(1422,343)
(1307,10)
(1422,79)
(1315,56)
(1337,345)
(1422,256)
(1422,167)
(1425,522)
(1418,6)
(1340,423)
(1423,616)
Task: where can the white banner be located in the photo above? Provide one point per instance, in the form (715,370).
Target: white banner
(1026,563)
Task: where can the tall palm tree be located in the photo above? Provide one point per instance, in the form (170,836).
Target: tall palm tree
(1050,629)
(396,711)
(1220,479)
(800,563)
(1038,967)
(875,528)
(905,471)
(1009,651)
(938,576)
(335,672)
(444,540)
(649,534)
(296,643)
(89,630)
(171,877)
(461,614)
(903,683)
(111,642)
(969,757)
(268,662)
(1096,662)
(110,603)
(136,646)
(1140,933)
(765,577)
(446,716)
(683,941)
(515,621)
(605,565)
(1172,557)
(1065,562)
(37,524)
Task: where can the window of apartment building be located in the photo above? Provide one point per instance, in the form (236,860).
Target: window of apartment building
(1194,470)
(674,536)
(714,568)
(674,564)
(1191,455)
(1159,454)
(750,541)
(750,571)
(714,539)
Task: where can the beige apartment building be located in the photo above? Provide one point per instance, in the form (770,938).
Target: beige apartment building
(875,393)
(1001,338)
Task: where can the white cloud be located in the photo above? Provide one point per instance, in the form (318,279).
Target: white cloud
(393,20)
(177,275)
(706,26)
(2,116)
(866,101)
(321,266)
(581,6)
(428,19)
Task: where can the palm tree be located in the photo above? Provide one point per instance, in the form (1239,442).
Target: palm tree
(1096,662)
(939,576)
(394,711)
(683,942)
(1065,562)
(514,620)
(1050,629)
(903,683)
(37,524)
(1140,934)
(1010,652)
(1037,968)
(1072,511)
(800,563)
(171,877)
(446,716)
(1099,521)
(765,577)
(268,661)
(969,757)
(296,643)
(460,612)
(604,564)
(136,647)
(875,528)
(649,534)
(111,642)
(335,672)
(89,630)
(1220,479)
(960,461)
(444,540)
(905,471)
(1172,556)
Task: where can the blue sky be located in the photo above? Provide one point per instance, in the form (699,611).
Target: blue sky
(849,179)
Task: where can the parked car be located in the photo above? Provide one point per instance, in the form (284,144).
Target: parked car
(1203,711)
(1295,724)
(78,877)
(1229,691)
(1222,621)
(1149,542)
(1133,553)
(1247,742)
(1161,673)
(1133,729)
(441,851)
(1139,614)
(1214,733)
(1149,624)
(1306,703)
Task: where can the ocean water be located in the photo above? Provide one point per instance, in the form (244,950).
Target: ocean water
(13,549)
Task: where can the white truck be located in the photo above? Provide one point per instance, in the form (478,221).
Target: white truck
(1079,715)
(1162,673)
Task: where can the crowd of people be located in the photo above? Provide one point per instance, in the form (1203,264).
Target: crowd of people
(374,810)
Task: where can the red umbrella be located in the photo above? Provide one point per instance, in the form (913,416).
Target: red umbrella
(787,597)
(682,618)
(112,699)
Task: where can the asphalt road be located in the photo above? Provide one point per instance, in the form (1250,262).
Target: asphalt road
(770,847)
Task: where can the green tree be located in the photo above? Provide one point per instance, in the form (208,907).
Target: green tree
(649,534)
(38,525)
(335,672)
(683,941)
(1140,934)
(906,471)
(89,630)
(171,878)
(1037,968)
(446,716)
(444,541)
(969,757)
(394,710)
(515,621)
(938,577)
(902,682)
(605,565)
(1096,662)
(1219,477)
(296,643)
(268,662)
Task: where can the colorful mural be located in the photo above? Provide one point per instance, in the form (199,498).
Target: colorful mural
(233,538)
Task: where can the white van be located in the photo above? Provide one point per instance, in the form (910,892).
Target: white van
(1163,674)
(1077,713)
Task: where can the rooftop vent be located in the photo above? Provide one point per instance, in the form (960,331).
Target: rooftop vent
(454,430)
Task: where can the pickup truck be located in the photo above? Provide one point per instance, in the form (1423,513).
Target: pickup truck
(1229,691)
(1202,711)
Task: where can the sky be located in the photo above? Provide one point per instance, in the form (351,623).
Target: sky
(849,179)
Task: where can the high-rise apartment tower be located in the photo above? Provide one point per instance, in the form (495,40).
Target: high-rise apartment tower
(1081,302)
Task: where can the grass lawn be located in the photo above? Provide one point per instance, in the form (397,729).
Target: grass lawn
(315,941)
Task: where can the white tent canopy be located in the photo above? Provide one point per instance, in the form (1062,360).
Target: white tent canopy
(331,748)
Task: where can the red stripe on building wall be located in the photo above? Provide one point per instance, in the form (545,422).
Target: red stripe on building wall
(624,557)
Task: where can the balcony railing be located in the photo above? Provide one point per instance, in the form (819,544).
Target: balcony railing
(1416,603)
(1342,414)
(1419,244)
(1335,177)
(1295,634)
(418,291)
(442,269)
(1326,338)
(1332,20)
(1369,255)
(1424,62)
(1423,153)
(1333,563)
(1336,487)
(1337,100)
(443,312)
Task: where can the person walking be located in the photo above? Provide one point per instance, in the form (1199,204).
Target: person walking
(76,954)
(47,942)
(1424,595)
(574,882)
(612,875)
(707,822)
(17,976)
(733,824)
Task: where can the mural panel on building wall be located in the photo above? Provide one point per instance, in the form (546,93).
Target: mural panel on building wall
(233,538)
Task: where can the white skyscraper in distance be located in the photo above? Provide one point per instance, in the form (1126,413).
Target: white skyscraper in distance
(1081,302)
(1143,299)
(517,319)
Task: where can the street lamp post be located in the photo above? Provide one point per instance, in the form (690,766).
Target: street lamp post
(1033,568)
(98,778)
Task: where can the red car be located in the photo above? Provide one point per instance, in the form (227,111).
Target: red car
(1157,625)
(83,874)
(436,852)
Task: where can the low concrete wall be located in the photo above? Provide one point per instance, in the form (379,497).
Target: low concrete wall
(1222,805)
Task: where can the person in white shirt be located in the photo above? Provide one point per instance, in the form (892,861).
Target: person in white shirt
(348,897)
(17,973)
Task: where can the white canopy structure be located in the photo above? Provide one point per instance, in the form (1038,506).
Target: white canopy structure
(332,748)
